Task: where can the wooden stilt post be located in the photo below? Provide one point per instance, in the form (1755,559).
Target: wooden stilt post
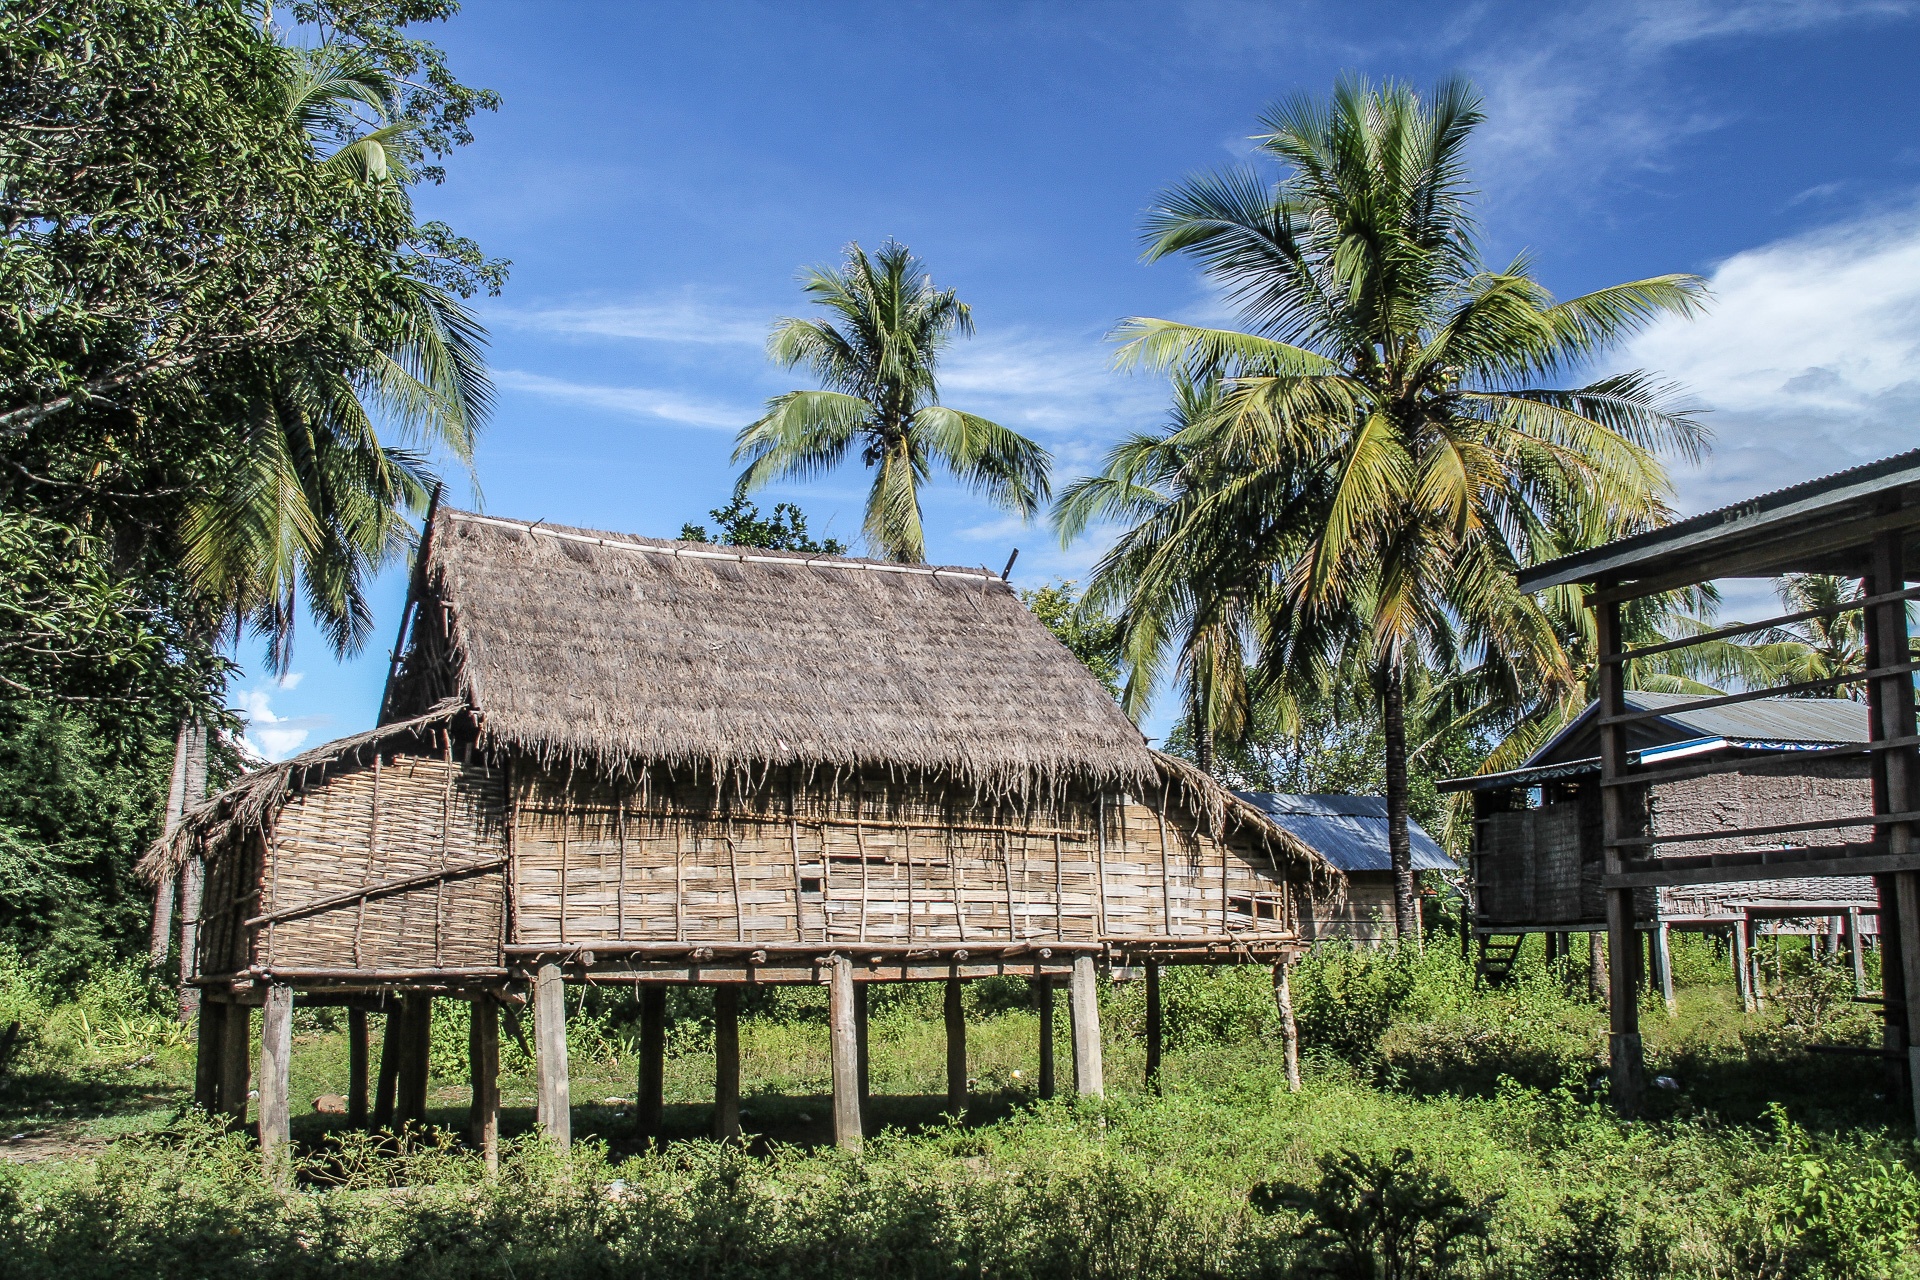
(392,1036)
(1621,810)
(483,1117)
(1597,966)
(1742,970)
(1083,1007)
(1289,1029)
(410,1091)
(1043,1005)
(1154,1029)
(726,1062)
(956,1050)
(1897,779)
(550,1054)
(651,1105)
(1854,955)
(357,1068)
(276,1061)
(212,1021)
(1663,958)
(845,1055)
(235,1070)
(860,1042)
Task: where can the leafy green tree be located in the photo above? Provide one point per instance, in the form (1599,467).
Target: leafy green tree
(878,357)
(1088,635)
(742,525)
(1384,353)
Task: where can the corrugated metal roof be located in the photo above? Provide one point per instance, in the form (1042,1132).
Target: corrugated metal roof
(1812,504)
(1348,831)
(1832,720)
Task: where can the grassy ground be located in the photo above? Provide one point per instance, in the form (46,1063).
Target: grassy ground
(1765,1157)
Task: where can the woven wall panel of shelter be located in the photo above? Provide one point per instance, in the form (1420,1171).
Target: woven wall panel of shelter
(1864,524)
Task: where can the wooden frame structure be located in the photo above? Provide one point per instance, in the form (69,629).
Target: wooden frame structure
(1865,524)
(459,850)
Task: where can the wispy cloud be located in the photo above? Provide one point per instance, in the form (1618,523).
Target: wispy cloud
(1809,359)
(683,319)
(275,737)
(637,402)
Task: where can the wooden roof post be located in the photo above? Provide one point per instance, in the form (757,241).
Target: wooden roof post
(276,1054)
(550,1053)
(484,1058)
(236,1030)
(1083,1007)
(1155,1032)
(651,1103)
(845,1056)
(1043,1002)
(1628,1063)
(726,1061)
(956,1048)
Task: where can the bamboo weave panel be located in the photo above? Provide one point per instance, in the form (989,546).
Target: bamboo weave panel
(413,816)
(667,859)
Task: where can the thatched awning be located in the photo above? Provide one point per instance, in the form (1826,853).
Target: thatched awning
(610,649)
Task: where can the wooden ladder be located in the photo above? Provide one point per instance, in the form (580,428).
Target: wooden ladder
(1498,952)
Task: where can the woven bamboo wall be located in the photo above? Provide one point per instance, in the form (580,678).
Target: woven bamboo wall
(408,828)
(670,858)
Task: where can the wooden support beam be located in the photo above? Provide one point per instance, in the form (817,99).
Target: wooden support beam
(410,1088)
(956,1051)
(845,1056)
(211,1021)
(1083,1007)
(1043,1005)
(483,1053)
(357,1068)
(1289,1029)
(650,1106)
(1596,965)
(550,1055)
(1619,811)
(1742,967)
(235,1033)
(276,1062)
(1893,987)
(1154,1028)
(1853,952)
(726,1063)
(1663,961)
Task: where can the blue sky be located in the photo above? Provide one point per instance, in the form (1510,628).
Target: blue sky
(659,173)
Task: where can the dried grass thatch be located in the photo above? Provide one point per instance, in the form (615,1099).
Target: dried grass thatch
(246,806)
(602,648)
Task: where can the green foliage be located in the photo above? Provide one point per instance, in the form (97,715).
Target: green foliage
(741,525)
(1829,1214)
(1380,1219)
(1090,637)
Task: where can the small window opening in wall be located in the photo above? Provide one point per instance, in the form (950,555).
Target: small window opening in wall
(1254,908)
(809,886)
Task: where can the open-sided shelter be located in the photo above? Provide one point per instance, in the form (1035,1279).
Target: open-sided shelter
(1537,855)
(1865,524)
(1350,833)
(612,759)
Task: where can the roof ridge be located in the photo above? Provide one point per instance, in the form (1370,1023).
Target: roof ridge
(690,551)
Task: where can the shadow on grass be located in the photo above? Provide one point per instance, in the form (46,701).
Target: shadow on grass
(53,1097)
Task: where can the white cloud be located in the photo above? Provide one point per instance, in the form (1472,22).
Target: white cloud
(638,402)
(680,320)
(1807,358)
(1057,383)
(275,737)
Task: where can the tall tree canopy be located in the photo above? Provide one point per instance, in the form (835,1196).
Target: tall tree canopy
(877,357)
(1384,357)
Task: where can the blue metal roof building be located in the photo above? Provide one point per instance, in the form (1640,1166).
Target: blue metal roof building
(1348,831)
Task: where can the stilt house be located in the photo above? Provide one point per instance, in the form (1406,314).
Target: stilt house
(1537,853)
(1350,833)
(618,760)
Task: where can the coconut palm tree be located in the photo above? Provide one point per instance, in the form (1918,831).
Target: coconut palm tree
(1382,351)
(877,357)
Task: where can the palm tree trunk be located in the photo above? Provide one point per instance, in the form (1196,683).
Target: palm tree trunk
(192,875)
(160,941)
(1203,744)
(1399,846)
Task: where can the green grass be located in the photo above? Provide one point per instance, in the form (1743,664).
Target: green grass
(1767,1159)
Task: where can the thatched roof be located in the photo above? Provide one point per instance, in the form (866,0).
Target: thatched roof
(245,806)
(602,647)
